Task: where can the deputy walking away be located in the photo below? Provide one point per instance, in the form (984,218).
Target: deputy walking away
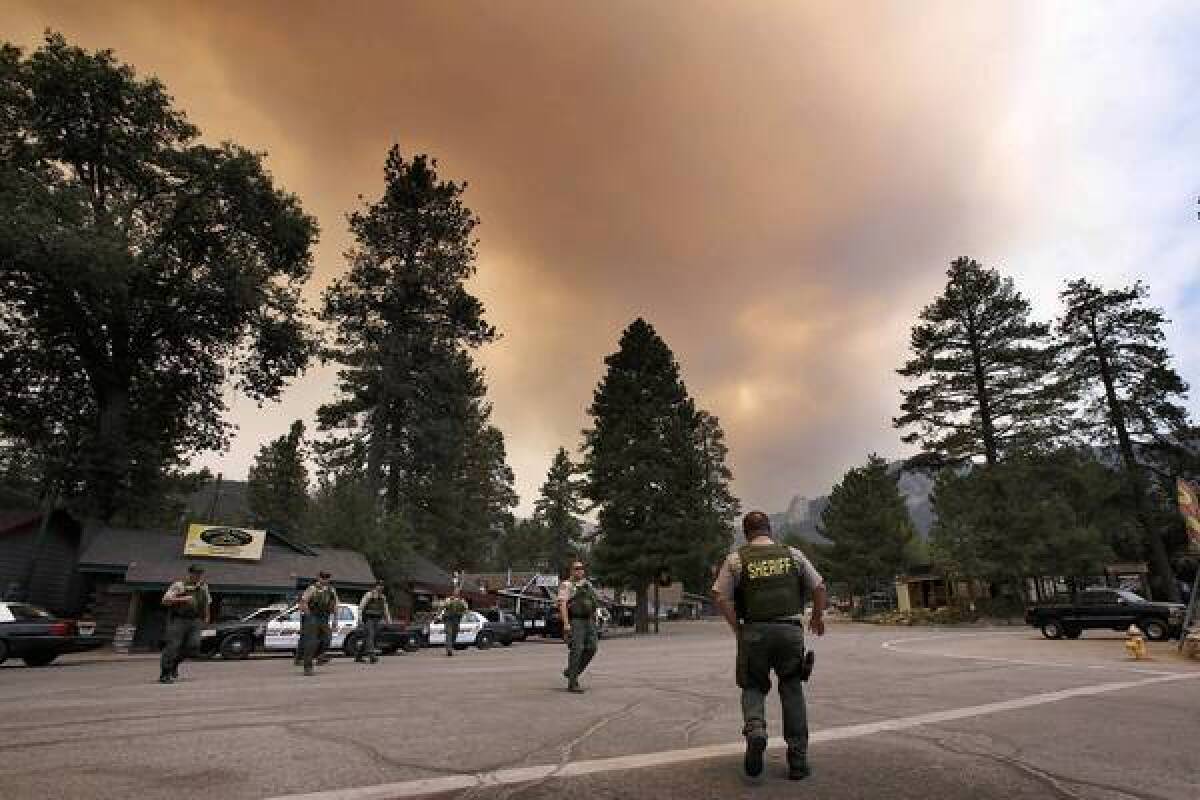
(318,607)
(577,604)
(372,609)
(452,614)
(769,584)
(187,603)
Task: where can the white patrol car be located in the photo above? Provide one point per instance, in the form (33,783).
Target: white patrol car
(471,631)
(283,632)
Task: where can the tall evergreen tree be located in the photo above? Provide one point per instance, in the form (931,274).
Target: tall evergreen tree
(717,506)
(986,370)
(557,509)
(411,400)
(277,485)
(868,524)
(343,512)
(1113,352)
(524,546)
(139,270)
(643,468)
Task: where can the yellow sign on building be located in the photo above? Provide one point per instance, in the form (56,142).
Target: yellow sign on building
(222,541)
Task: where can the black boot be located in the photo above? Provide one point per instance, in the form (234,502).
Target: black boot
(165,677)
(574,687)
(798,769)
(756,743)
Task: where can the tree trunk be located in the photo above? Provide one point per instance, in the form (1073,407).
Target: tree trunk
(990,449)
(642,625)
(110,459)
(1162,581)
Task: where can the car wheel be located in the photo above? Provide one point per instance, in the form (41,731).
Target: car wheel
(1052,629)
(1072,633)
(506,642)
(353,645)
(1155,629)
(412,645)
(3,651)
(236,648)
(39,659)
(484,640)
(390,650)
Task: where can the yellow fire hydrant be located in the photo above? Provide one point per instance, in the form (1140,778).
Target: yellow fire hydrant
(1135,643)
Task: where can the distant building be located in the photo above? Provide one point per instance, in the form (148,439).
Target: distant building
(37,564)
(127,572)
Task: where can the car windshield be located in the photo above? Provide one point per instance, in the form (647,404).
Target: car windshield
(23,612)
(1130,597)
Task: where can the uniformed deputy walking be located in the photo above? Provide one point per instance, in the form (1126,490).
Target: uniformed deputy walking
(372,610)
(577,604)
(769,583)
(318,606)
(187,603)
(452,614)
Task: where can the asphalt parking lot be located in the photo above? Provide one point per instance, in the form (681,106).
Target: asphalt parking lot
(894,712)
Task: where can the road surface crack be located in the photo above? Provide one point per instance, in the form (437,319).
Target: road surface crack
(1062,785)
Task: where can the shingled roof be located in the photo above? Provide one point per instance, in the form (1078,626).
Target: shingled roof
(153,558)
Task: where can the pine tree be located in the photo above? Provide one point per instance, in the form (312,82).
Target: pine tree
(411,399)
(643,468)
(1113,352)
(277,485)
(717,507)
(557,510)
(986,369)
(868,524)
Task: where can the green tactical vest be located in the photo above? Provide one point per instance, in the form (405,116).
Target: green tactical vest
(769,586)
(321,601)
(583,602)
(375,606)
(197,597)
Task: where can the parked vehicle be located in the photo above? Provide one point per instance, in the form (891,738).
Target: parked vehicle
(37,637)
(281,633)
(473,630)
(1107,609)
(506,626)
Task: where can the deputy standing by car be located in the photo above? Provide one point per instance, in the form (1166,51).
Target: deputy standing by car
(187,603)
(318,605)
(577,604)
(452,614)
(372,609)
(769,583)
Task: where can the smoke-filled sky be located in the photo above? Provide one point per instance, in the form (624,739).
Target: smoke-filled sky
(777,187)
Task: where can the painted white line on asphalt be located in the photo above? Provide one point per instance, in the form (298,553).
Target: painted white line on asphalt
(892,645)
(449,783)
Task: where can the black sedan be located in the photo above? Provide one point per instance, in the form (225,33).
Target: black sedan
(38,637)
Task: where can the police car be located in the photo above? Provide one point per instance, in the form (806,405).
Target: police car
(473,630)
(281,633)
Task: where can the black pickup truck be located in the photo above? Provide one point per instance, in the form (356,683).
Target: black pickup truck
(1107,609)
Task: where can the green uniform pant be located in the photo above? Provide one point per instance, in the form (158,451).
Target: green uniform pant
(582,643)
(370,626)
(451,624)
(778,646)
(183,638)
(315,636)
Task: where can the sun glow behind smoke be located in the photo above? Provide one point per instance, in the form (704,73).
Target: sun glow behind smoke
(778,188)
